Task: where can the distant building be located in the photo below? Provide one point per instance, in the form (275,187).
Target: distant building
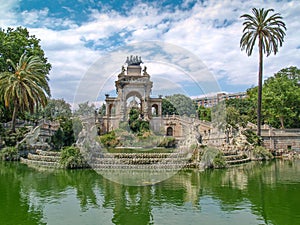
(210,101)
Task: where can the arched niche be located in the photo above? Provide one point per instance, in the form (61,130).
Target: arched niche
(169,131)
(154,110)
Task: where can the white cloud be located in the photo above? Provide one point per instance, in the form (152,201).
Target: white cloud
(7,14)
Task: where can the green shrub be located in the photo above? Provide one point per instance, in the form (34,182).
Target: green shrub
(9,154)
(12,138)
(168,142)
(252,137)
(260,152)
(71,157)
(109,140)
(219,161)
(212,158)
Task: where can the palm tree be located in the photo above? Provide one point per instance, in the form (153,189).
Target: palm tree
(25,87)
(269,30)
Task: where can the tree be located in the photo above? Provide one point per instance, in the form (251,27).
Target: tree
(57,108)
(25,87)
(64,136)
(85,109)
(204,113)
(136,124)
(178,104)
(245,106)
(269,31)
(5,113)
(168,108)
(281,98)
(14,43)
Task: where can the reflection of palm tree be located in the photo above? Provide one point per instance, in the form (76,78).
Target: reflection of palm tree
(26,87)
(269,31)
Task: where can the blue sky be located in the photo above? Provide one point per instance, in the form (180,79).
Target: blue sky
(77,33)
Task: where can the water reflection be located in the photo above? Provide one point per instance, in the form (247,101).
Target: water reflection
(257,193)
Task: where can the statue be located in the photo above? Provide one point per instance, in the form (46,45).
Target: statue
(133,60)
(145,71)
(123,70)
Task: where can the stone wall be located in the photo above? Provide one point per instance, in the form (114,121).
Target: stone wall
(276,139)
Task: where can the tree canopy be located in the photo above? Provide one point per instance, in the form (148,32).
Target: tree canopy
(85,109)
(57,108)
(178,104)
(281,98)
(16,42)
(280,102)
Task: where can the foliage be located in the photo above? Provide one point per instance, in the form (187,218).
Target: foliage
(260,152)
(14,43)
(136,124)
(212,158)
(85,109)
(204,113)
(168,108)
(57,140)
(168,142)
(269,30)
(11,138)
(219,161)
(64,136)
(5,113)
(26,87)
(109,140)
(252,138)
(245,107)
(281,99)
(232,116)
(57,108)
(71,158)
(102,109)
(9,154)
(178,104)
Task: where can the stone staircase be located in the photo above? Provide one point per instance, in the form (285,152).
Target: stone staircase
(138,161)
(102,161)
(114,160)
(43,158)
(234,157)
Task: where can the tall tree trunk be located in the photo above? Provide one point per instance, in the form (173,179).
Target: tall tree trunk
(14,116)
(259,96)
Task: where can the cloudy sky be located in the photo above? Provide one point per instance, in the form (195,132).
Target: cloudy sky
(78,34)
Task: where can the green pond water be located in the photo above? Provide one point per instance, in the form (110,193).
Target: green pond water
(256,193)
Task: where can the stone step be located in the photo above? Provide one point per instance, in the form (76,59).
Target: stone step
(234,157)
(45,158)
(136,166)
(227,153)
(139,155)
(138,160)
(47,153)
(238,161)
(40,163)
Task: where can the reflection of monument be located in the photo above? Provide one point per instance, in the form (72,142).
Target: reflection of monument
(133,89)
